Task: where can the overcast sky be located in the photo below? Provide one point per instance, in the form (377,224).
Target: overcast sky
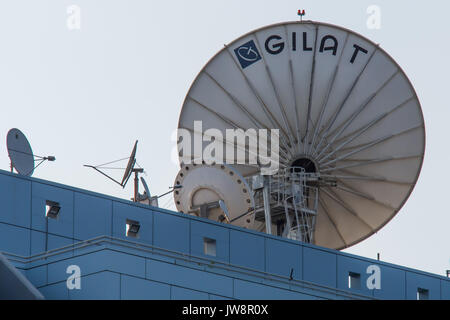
(85,95)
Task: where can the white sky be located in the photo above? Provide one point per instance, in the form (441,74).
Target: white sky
(86,95)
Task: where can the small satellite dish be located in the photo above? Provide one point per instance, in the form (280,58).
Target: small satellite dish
(130,166)
(147,191)
(346,114)
(21,154)
(128,171)
(152,201)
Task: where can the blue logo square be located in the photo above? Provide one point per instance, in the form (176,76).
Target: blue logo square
(247,54)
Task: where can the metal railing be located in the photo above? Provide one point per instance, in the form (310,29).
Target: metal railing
(294,198)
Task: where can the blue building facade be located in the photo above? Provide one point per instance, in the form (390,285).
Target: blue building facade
(175,256)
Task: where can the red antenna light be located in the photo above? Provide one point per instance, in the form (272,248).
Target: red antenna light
(301,13)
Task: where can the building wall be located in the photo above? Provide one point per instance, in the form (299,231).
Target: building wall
(168,260)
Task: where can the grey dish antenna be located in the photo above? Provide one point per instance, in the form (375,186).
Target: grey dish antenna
(147,190)
(147,197)
(350,129)
(128,170)
(21,154)
(130,166)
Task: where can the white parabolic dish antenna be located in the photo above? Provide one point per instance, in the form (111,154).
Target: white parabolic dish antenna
(345,111)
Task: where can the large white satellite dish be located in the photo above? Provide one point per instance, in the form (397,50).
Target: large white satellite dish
(345,110)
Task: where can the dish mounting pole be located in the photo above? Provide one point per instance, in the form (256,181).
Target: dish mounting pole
(136,182)
(266,199)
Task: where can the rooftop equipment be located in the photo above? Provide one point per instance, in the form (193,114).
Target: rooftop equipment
(350,130)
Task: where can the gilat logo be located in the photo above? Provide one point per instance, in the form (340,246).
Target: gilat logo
(247,54)
(274,44)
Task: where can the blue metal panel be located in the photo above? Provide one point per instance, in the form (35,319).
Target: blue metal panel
(318,291)
(57,291)
(133,288)
(98,261)
(445,289)
(416,280)
(282,256)
(199,230)
(393,284)
(186,294)
(37,276)
(15,198)
(190,278)
(122,212)
(63,225)
(39,242)
(214,297)
(14,239)
(22,271)
(99,286)
(254,291)
(319,266)
(247,250)
(171,232)
(92,216)
(345,265)
(284,283)
(122,263)
(55,242)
